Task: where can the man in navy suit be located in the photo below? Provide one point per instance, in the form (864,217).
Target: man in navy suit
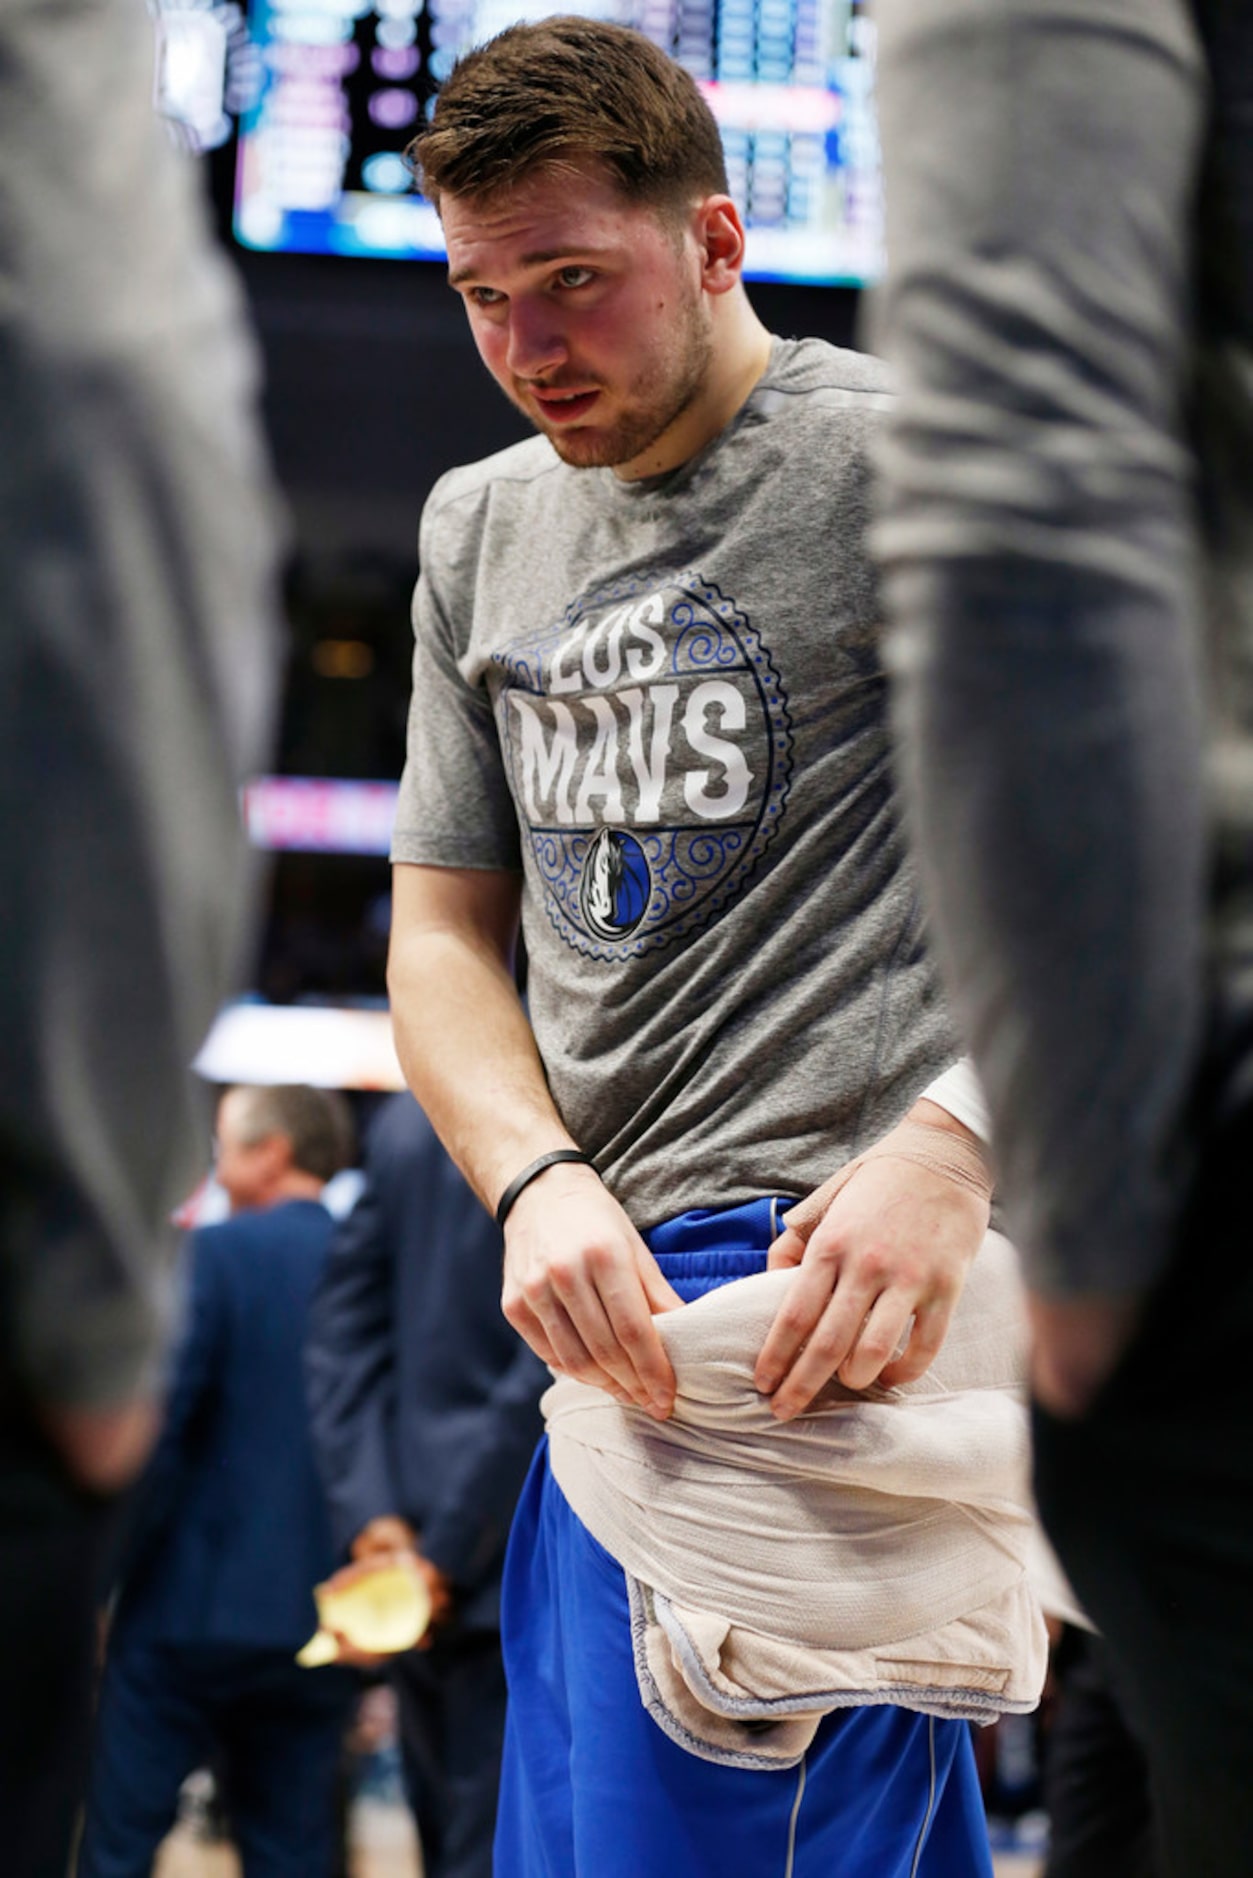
(231,1531)
(425,1418)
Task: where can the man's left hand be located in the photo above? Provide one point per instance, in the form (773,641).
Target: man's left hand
(894,1244)
(1077,1343)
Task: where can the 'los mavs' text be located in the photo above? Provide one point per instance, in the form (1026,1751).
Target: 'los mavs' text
(650,752)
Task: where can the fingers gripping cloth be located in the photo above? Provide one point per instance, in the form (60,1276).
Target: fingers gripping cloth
(875,1550)
(925,1145)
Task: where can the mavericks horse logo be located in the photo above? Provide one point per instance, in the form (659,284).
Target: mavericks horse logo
(615,885)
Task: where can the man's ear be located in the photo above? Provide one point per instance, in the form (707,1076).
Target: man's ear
(720,239)
(277,1152)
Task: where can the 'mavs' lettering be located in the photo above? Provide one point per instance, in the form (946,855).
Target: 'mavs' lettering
(646,754)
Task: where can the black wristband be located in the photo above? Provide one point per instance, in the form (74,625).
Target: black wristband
(505,1203)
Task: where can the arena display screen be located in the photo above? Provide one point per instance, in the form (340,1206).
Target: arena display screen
(340,89)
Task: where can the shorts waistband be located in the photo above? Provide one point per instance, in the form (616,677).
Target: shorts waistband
(711,1246)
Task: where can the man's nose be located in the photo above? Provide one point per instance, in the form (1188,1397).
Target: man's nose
(536,342)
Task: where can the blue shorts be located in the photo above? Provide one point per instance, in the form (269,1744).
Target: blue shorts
(592,1788)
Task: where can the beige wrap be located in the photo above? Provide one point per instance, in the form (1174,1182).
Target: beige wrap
(874,1550)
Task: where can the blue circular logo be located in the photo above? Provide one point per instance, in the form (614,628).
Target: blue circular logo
(615,885)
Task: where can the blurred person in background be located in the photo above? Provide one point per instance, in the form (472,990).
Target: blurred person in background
(1096,1787)
(136,678)
(425,1417)
(1066,538)
(230,1531)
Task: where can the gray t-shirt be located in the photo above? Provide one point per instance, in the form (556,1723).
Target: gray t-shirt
(662,700)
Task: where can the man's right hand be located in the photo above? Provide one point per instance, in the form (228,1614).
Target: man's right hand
(104,1449)
(581,1287)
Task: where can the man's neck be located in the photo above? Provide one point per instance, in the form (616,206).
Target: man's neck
(298,1185)
(741,353)
(295,1184)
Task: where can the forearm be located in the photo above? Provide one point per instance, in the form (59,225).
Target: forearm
(580,1285)
(462,1036)
(1060,838)
(1036,541)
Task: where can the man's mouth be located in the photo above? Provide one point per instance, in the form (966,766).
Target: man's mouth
(562,407)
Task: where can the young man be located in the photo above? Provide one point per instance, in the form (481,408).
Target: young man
(648,713)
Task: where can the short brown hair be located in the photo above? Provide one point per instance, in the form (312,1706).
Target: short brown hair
(568,88)
(317,1122)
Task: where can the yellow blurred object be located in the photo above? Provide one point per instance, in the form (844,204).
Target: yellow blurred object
(379,1606)
(321,1648)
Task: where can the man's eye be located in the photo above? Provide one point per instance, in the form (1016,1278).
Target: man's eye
(574,276)
(485,296)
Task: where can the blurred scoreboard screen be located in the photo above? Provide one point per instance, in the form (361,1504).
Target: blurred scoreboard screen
(341,89)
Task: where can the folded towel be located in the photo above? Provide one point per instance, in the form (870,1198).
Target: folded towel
(874,1550)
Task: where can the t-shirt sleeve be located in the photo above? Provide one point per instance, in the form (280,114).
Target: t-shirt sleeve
(455,809)
(958,1090)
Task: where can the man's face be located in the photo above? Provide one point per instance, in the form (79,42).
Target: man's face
(242,1168)
(586,309)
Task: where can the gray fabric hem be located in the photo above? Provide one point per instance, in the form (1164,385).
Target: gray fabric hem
(647,1605)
